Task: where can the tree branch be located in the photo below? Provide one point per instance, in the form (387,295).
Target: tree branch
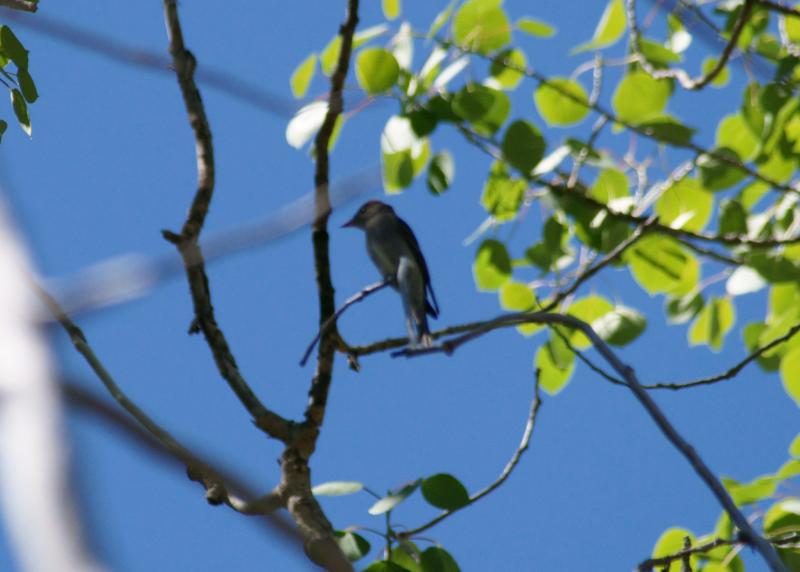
(320,385)
(184,64)
(781,8)
(23,5)
(665,561)
(200,469)
(683,78)
(329,323)
(507,470)
(749,534)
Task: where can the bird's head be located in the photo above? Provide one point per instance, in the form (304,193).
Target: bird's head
(368,211)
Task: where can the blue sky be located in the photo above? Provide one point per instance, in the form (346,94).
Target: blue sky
(111,163)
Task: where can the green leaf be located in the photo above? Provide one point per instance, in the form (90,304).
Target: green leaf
(670,542)
(794,448)
(385,566)
(588,309)
(302,76)
(27,86)
(376,70)
(437,559)
(657,54)
(686,204)
(502,195)
(366,35)
(714,321)
(732,217)
(717,174)
(21,111)
(555,363)
(354,546)
(668,130)
(440,172)
(620,326)
(337,488)
(484,107)
(661,265)
(441,19)
(734,133)
(722,78)
(752,339)
(505,69)
(790,373)
(681,310)
(391,9)
(535,28)
(517,297)
(783,517)
(391,500)
(492,266)
(611,184)
(523,146)
(330,55)
(406,554)
(13,48)
(755,491)
(556,101)
(398,171)
(481,26)
(3,127)
(609,29)
(445,491)
(639,97)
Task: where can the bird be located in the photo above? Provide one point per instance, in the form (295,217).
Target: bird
(394,250)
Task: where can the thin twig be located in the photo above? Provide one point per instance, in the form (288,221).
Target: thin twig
(328,324)
(782,8)
(507,470)
(749,534)
(640,129)
(733,371)
(686,81)
(164,437)
(651,563)
(618,251)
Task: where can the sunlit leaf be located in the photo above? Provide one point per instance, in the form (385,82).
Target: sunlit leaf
(482,26)
(440,172)
(555,363)
(302,76)
(609,29)
(670,542)
(639,97)
(686,204)
(535,28)
(562,101)
(376,70)
(712,323)
(354,546)
(337,488)
(790,374)
(492,266)
(391,8)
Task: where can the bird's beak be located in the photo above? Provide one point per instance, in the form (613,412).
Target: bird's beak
(350,223)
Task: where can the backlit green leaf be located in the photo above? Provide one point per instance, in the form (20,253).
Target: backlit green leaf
(561,101)
(686,204)
(440,172)
(482,26)
(609,29)
(492,266)
(506,68)
(670,542)
(555,363)
(588,309)
(639,97)
(661,265)
(535,28)
(302,76)
(790,373)
(376,70)
(620,326)
(391,9)
(354,546)
(714,321)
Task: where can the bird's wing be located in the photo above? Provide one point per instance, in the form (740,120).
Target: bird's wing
(408,234)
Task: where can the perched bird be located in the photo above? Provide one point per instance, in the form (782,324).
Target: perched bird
(394,249)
